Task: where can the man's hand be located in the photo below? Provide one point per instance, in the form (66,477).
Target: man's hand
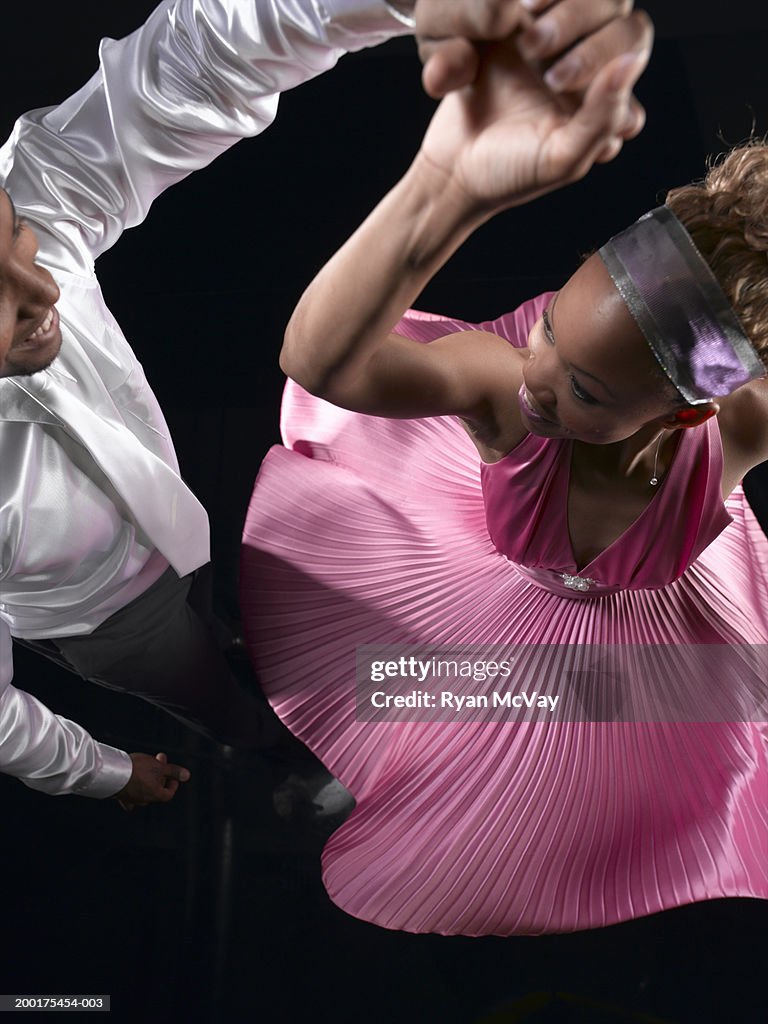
(152,781)
(450,32)
(579,36)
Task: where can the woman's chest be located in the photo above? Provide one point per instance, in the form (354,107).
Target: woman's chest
(596,519)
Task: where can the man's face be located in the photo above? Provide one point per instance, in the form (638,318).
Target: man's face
(30,336)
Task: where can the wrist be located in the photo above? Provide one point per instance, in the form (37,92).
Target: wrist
(444,212)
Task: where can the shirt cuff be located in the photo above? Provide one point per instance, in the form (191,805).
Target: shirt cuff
(108,777)
(403,11)
(373,20)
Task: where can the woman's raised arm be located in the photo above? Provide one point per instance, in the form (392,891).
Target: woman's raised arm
(496,144)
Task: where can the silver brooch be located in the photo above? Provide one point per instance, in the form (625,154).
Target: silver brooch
(576,582)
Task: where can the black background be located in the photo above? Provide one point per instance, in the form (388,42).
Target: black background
(209,909)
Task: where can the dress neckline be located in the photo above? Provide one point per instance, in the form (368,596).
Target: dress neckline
(566,462)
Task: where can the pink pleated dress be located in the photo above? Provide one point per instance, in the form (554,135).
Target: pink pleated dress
(364,530)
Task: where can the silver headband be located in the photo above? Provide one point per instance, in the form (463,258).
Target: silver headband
(680,307)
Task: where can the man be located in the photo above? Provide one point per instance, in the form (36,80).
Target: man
(100,536)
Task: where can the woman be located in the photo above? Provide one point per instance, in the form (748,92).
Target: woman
(609,433)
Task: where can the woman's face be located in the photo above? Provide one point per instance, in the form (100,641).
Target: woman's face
(591,375)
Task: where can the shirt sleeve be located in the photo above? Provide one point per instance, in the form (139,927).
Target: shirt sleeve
(50,753)
(198,76)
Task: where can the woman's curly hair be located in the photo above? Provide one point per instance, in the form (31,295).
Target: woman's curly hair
(726,214)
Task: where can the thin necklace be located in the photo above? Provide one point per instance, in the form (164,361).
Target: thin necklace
(654,479)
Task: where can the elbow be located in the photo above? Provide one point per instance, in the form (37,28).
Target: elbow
(304,370)
(290,365)
(301,371)
(316,366)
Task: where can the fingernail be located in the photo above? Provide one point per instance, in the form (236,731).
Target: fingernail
(530,5)
(184,775)
(623,67)
(564,72)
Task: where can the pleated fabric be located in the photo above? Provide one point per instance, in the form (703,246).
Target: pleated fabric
(371,531)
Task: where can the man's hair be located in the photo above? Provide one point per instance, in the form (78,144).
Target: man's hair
(726,214)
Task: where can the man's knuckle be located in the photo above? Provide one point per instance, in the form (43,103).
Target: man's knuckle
(489,19)
(643,24)
(425,47)
(498,25)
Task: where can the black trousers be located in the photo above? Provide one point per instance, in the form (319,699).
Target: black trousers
(161,648)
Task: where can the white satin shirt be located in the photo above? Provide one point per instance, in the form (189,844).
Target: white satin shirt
(92,508)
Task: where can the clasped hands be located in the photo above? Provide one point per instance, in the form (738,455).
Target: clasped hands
(579,36)
(536,91)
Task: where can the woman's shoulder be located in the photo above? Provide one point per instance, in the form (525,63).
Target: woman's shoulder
(491,353)
(743,423)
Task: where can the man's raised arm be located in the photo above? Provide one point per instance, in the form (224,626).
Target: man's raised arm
(167,99)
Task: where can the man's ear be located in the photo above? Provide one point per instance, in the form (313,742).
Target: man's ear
(691,416)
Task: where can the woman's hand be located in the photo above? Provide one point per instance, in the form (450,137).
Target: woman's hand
(509,137)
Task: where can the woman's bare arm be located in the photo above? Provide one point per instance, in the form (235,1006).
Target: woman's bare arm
(338,343)
(497,144)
